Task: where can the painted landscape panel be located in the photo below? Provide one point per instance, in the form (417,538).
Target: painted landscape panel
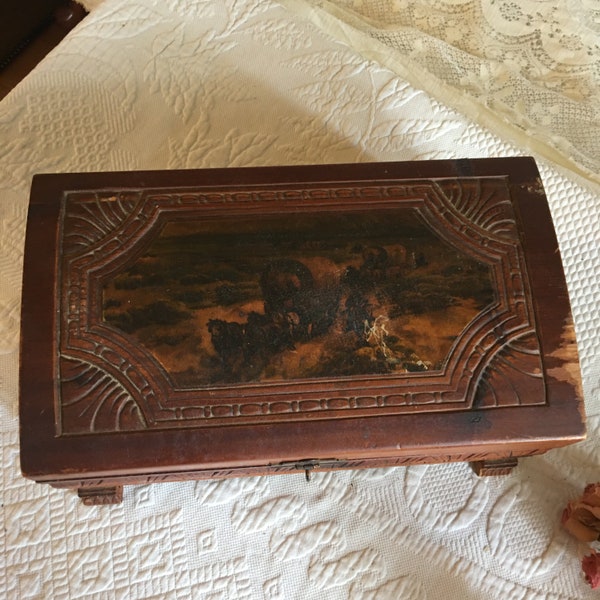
(237,299)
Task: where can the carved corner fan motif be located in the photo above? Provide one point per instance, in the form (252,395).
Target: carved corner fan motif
(272,303)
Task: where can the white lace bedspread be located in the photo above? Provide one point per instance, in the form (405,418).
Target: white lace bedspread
(153,84)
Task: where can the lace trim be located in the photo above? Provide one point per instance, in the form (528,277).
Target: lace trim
(530,76)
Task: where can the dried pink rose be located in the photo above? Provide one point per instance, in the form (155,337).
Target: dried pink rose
(591,494)
(582,517)
(591,568)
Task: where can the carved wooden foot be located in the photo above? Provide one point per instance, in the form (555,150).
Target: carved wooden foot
(502,466)
(91,496)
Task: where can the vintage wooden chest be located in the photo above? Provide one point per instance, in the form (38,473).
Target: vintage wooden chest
(216,323)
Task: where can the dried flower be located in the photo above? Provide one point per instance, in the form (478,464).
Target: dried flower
(582,517)
(591,494)
(591,568)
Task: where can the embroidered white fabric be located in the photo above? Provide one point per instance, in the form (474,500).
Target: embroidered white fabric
(154,84)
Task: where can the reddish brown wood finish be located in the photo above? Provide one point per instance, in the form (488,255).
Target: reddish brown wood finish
(510,386)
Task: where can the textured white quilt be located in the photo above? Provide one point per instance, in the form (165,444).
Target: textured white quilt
(152,84)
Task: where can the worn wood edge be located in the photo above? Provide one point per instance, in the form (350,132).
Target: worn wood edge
(290,467)
(45,460)
(556,331)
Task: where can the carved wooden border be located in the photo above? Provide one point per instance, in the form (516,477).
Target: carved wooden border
(107,383)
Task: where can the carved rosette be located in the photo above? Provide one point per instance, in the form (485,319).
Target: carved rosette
(109,383)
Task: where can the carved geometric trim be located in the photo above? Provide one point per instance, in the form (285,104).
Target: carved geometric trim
(87,223)
(109,383)
(97,398)
(513,376)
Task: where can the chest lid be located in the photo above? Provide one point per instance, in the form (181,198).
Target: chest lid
(249,316)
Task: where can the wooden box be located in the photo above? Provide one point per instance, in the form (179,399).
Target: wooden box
(216,323)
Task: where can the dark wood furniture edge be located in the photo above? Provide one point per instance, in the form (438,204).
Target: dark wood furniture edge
(498,455)
(109,490)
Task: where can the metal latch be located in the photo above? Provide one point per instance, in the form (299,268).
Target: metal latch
(309,465)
